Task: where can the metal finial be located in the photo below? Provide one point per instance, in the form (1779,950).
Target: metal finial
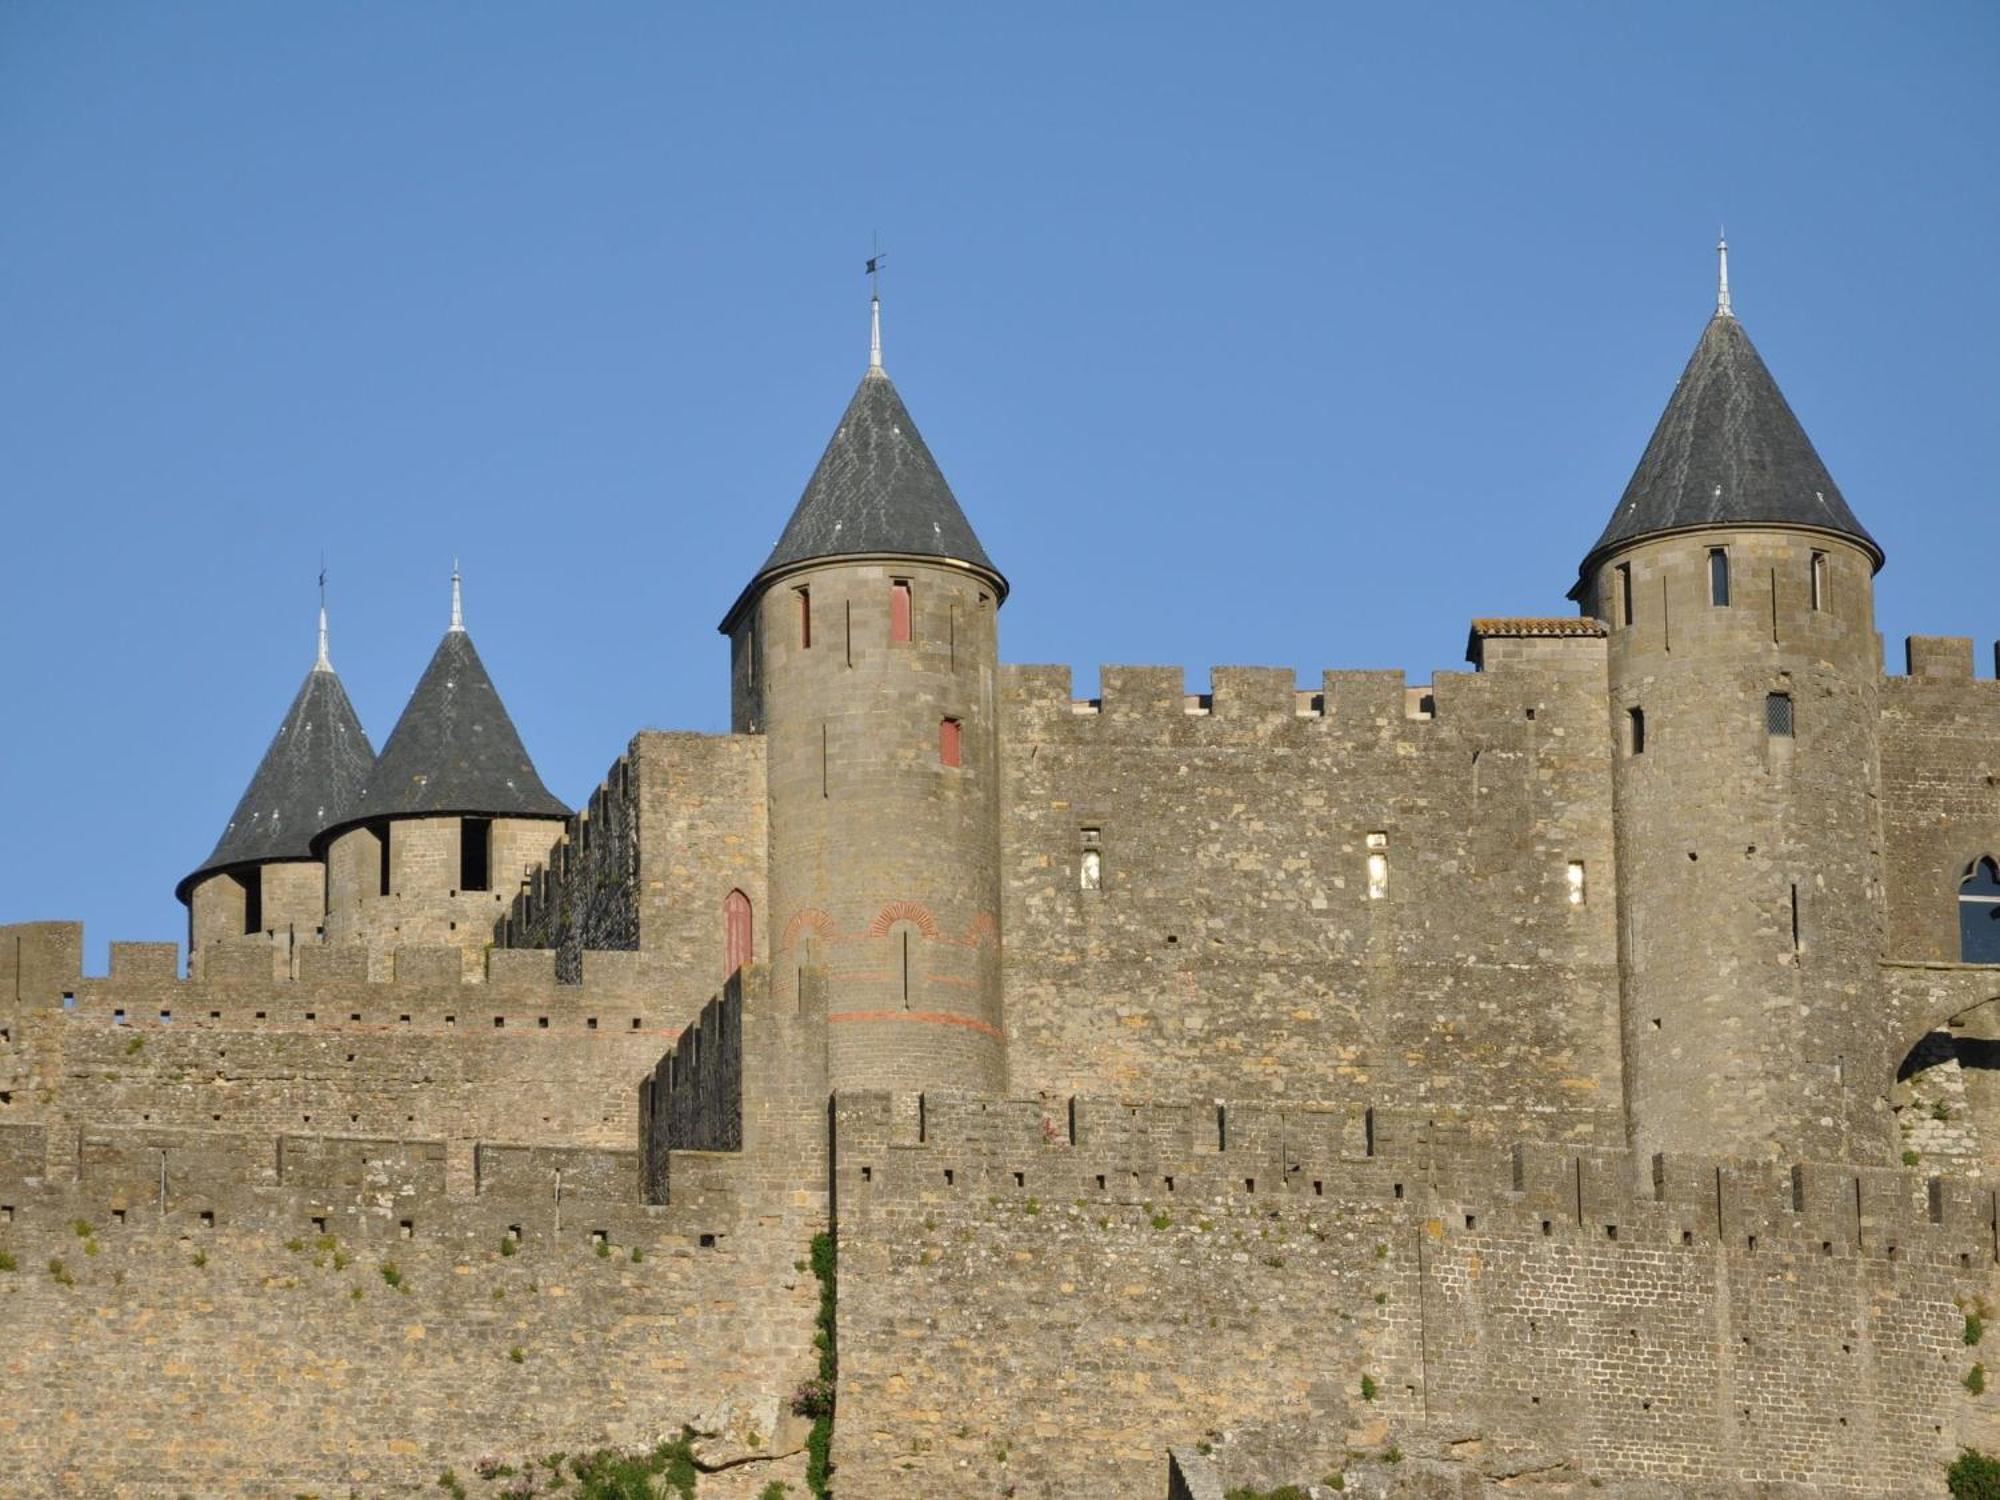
(1722,309)
(875,307)
(325,662)
(457,604)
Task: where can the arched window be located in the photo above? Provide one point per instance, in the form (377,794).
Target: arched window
(737,949)
(1979,913)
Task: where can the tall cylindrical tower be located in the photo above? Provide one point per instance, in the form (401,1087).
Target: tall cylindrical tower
(865,651)
(1744,673)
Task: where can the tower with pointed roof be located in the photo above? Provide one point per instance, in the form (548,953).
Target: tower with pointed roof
(263,880)
(865,652)
(451,815)
(1744,671)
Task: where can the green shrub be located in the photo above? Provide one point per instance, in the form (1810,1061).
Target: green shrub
(81,1228)
(516,1354)
(1973,1476)
(777,1489)
(1392,1455)
(392,1274)
(819,1441)
(200,1259)
(637,1255)
(1975,1380)
(1162,1220)
(1336,1480)
(60,1272)
(449,1483)
(7,1262)
(1911,1158)
(604,1249)
(509,1245)
(295,1244)
(1369,1389)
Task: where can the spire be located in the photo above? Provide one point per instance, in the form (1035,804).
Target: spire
(877,492)
(325,662)
(309,779)
(455,750)
(457,604)
(1728,451)
(1722,275)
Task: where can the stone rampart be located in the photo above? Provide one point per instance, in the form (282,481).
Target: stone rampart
(223,1314)
(1359,890)
(1094,1281)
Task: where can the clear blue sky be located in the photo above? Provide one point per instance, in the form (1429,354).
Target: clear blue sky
(1246,334)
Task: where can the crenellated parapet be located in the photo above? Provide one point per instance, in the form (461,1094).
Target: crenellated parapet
(897,1152)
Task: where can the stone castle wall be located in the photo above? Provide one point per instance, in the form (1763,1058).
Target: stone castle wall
(1092,1282)
(1234,946)
(221,1314)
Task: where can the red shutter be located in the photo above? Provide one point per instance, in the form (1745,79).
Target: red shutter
(948,742)
(899,610)
(736,932)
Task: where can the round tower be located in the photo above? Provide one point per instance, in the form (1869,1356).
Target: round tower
(865,651)
(263,882)
(453,813)
(1744,672)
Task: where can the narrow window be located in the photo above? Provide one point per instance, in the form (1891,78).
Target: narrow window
(1635,731)
(1979,913)
(1090,871)
(475,854)
(735,932)
(948,742)
(1778,715)
(1624,593)
(1798,943)
(1378,866)
(382,845)
(1819,580)
(906,968)
(1577,889)
(252,882)
(805,617)
(1718,575)
(899,609)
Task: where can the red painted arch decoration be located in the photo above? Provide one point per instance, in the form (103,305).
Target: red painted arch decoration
(810,917)
(904,911)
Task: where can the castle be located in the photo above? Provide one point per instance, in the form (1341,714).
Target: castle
(1569,1075)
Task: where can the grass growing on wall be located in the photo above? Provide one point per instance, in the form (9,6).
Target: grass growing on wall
(815,1399)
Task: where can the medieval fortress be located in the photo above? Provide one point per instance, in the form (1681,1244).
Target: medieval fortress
(1570,1075)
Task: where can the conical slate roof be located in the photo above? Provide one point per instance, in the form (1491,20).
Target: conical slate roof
(1728,452)
(877,492)
(455,750)
(309,779)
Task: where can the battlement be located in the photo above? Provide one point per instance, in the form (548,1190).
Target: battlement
(356,1187)
(909,1149)
(240,986)
(1943,658)
(1269,698)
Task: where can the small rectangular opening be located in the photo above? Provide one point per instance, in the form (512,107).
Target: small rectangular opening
(208,1218)
(1635,731)
(1778,715)
(252,882)
(381,859)
(899,609)
(707,1241)
(949,748)
(590,1023)
(1577,890)
(1819,581)
(1624,571)
(475,854)
(1718,575)
(407,1228)
(805,617)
